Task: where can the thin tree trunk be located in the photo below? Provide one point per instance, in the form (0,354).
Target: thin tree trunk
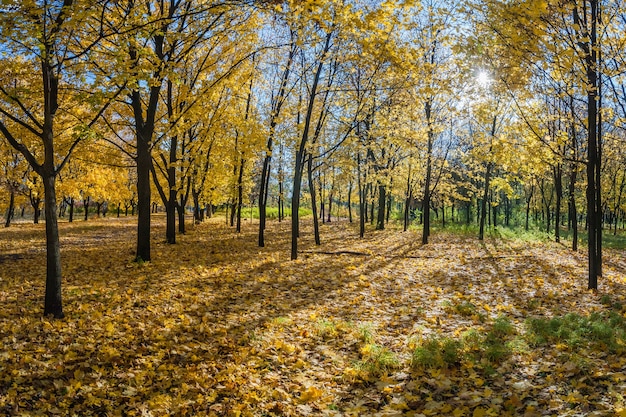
(170,201)
(330,201)
(10,210)
(558,185)
(300,154)
(265,173)
(426,196)
(362,208)
(71,204)
(240,193)
(483,203)
(316,225)
(86,207)
(528,200)
(350,185)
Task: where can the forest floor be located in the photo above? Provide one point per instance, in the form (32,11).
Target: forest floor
(379,326)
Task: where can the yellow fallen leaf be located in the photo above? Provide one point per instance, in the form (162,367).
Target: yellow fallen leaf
(479,412)
(310,394)
(458,412)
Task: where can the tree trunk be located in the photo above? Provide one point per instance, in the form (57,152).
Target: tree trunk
(330,202)
(483,203)
(299,166)
(350,201)
(382,204)
(594,215)
(371,205)
(144,160)
(172,195)
(197,210)
(322,212)
(180,209)
(389,203)
(53,303)
(316,225)
(558,185)
(265,173)
(281,197)
(240,193)
(11,208)
(362,208)
(407,204)
(426,197)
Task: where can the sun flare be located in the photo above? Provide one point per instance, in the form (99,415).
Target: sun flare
(483,79)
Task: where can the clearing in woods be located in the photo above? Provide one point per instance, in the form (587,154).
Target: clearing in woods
(215,325)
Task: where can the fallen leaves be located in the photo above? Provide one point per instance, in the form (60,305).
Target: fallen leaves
(217,326)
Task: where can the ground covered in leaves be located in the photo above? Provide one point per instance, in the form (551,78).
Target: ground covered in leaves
(215,326)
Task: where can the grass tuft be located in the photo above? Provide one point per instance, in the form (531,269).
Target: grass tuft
(598,330)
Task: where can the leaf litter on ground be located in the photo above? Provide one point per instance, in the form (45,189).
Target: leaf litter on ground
(380,326)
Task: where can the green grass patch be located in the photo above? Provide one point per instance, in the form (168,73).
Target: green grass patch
(326,329)
(376,360)
(487,349)
(365,332)
(603,331)
(271,213)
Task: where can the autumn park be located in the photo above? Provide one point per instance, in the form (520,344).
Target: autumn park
(313,208)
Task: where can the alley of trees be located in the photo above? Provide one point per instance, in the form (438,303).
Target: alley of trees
(482,112)
(312,207)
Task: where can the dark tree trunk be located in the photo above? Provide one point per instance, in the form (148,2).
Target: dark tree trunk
(53,303)
(11,209)
(483,203)
(265,173)
(427,191)
(144,161)
(322,212)
(172,194)
(240,193)
(36,203)
(389,203)
(316,225)
(362,208)
(407,205)
(350,201)
(590,48)
(71,205)
(180,209)
(558,185)
(330,202)
(372,205)
(233,211)
(300,154)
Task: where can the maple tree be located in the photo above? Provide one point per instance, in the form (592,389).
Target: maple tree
(48,106)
